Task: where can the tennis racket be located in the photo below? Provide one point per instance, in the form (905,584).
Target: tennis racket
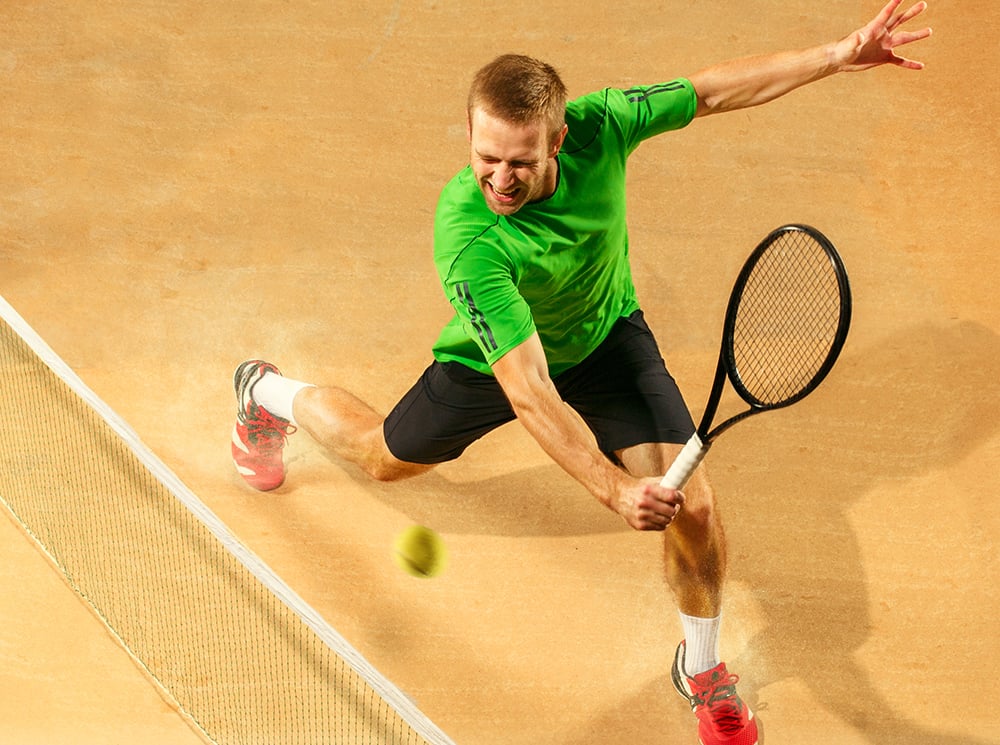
(787,320)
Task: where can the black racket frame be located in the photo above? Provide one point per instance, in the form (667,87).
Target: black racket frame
(726,367)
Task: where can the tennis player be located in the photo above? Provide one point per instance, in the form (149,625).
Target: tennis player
(531,247)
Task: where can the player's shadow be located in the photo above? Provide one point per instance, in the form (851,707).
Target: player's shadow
(536,501)
(895,411)
(913,403)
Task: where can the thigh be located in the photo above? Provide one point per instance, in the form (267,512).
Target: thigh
(648,459)
(448,409)
(625,393)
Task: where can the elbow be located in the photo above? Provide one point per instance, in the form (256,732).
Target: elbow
(525,388)
(525,393)
(523,374)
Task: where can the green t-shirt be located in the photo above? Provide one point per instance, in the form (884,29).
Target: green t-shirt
(560,266)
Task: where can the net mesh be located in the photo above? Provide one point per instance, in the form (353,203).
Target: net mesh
(787,324)
(243,665)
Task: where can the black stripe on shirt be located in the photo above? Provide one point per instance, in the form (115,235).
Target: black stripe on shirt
(477,318)
(639,95)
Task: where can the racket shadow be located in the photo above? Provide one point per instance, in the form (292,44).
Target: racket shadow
(897,411)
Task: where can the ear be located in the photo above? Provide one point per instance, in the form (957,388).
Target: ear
(468,126)
(557,141)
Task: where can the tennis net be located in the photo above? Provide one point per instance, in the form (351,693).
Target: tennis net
(244,658)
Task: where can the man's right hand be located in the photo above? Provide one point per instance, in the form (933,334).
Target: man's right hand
(645,505)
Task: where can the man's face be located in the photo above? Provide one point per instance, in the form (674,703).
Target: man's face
(513,163)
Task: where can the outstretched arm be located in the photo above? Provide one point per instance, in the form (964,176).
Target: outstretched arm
(523,374)
(742,83)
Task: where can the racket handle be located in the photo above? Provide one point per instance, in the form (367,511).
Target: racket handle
(685,463)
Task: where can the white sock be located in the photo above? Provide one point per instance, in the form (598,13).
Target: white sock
(276,393)
(701,643)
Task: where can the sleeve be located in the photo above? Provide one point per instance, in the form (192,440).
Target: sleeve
(480,285)
(648,110)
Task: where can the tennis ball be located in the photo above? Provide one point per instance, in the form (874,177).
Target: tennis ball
(419,551)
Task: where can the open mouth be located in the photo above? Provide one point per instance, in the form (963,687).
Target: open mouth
(507,197)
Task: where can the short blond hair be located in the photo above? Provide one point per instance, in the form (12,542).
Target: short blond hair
(520,90)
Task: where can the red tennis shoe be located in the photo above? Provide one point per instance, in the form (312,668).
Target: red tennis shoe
(723,718)
(258,436)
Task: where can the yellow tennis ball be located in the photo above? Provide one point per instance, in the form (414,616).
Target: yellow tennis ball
(420,551)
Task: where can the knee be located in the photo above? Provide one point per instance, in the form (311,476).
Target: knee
(385,472)
(699,514)
(695,546)
(697,528)
(385,467)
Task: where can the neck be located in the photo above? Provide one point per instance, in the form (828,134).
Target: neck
(551,178)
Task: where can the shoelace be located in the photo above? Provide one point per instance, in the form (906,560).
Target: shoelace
(266,431)
(724,706)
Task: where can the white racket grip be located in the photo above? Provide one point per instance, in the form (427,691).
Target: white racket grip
(685,463)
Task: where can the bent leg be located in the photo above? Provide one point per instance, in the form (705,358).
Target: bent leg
(694,551)
(694,546)
(447,409)
(352,430)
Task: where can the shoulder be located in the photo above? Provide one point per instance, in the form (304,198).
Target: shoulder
(632,114)
(586,117)
(461,209)
(659,107)
(676,94)
(463,225)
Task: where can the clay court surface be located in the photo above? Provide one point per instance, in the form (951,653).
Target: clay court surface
(186,185)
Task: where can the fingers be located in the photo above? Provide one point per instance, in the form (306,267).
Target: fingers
(875,44)
(677,511)
(890,22)
(907,64)
(906,37)
(885,15)
(658,508)
(901,38)
(913,12)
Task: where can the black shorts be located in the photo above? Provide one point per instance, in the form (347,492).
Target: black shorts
(622,391)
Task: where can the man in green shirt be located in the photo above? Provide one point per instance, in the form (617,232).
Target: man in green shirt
(532,250)
(557,265)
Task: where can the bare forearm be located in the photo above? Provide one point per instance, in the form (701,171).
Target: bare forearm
(755,80)
(752,81)
(569,443)
(643,503)
(523,374)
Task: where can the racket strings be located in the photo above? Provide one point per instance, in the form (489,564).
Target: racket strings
(787,319)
